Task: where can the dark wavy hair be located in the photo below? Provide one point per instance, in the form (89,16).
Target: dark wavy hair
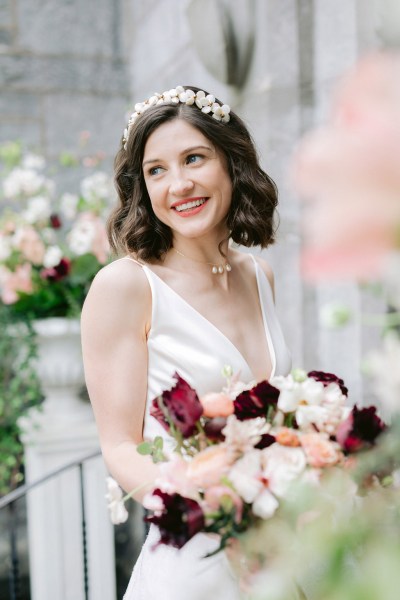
(134,228)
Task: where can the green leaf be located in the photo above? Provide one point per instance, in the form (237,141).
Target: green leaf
(144,448)
(158,442)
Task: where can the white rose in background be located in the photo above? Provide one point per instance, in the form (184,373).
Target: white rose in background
(39,209)
(52,257)
(282,465)
(69,205)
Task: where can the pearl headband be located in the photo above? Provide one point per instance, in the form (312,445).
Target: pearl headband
(207,104)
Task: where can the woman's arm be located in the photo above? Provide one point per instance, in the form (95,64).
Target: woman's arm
(115,321)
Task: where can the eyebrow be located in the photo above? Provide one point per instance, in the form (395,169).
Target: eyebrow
(186,151)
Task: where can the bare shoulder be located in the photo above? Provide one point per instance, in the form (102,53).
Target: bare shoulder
(120,292)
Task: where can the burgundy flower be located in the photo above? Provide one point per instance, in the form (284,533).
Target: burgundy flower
(256,402)
(182,405)
(180,519)
(213,429)
(266,440)
(57,273)
(55,221)
(360,429)
(327,378)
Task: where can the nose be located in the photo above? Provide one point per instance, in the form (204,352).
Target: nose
(180,183)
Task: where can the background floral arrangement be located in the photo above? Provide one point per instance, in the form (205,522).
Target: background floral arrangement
(51,245)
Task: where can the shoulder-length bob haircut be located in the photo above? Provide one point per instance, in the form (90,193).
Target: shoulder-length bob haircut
(133,226)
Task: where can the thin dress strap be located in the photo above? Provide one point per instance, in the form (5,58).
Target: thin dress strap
(134,260)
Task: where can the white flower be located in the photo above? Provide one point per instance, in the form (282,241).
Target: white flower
(384,367)
(265,504)
(81,237)
(293,393)
(245,476)
(241,436)
(33,161)
(153,503)
(97,186)
(38,210)
(69,205)
(23,182)
(52,257)
(5,247)
(116,506)
(282,465)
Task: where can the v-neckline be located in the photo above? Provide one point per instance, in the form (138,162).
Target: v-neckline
(267,334)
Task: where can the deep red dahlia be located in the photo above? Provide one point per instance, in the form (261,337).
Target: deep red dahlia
(180,519)
(327,378)
(57,273)
(256,402)
(360,429)
(55,221)
(182,405)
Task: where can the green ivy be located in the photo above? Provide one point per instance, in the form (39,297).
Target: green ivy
(19,392)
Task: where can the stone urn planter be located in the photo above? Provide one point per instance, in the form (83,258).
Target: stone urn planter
(59,365)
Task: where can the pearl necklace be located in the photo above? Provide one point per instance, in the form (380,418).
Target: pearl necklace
(215,269)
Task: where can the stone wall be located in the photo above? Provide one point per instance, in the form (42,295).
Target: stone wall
(63,69)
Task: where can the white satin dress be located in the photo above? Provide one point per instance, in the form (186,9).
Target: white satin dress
(182,340)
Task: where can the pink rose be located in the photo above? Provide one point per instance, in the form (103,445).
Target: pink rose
(350,169)
(222,495)
(207,467)
(217,404)
(12,282)
(174,479)
(320,451)
(28,241)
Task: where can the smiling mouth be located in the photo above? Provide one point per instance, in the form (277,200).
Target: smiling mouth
(190,205)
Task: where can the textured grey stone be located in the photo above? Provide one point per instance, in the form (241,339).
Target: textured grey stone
(27,131)
(5,13)
(6,38)
(69,27)
(46,74)
(19,104)
(67,116)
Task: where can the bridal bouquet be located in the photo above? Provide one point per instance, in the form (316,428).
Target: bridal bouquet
(238,451)
(51,245)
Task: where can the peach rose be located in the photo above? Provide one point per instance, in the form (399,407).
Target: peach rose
(207,467)
(222,495)
(217,404)
(13,282)
(320,452)
(287,437)
(28,241)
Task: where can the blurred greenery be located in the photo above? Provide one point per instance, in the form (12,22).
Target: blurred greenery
(19,391)
(340,541)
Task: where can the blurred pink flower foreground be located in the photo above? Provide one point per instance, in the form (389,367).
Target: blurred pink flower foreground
(349,171)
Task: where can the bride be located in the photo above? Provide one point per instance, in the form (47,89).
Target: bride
(180,298)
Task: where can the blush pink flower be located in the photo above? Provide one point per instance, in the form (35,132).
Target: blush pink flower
(174,479)
(28,241)
(217,404)
(222,495)
(350,170)
(208,466)
(12,282)
(320,451)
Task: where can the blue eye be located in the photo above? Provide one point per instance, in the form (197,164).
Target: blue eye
(155,170)
(193,158)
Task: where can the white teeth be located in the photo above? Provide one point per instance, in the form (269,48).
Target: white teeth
(188,205)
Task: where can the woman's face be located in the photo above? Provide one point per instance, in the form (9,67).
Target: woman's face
(187,180)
